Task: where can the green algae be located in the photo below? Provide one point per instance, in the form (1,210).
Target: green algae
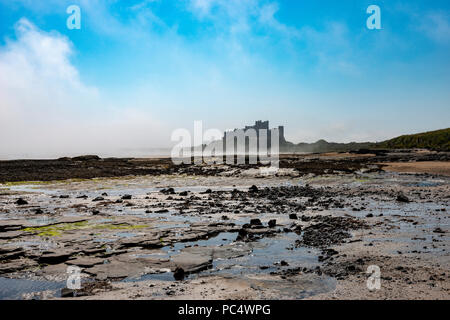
(58,229)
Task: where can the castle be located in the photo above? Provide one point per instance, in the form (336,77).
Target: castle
(259,125)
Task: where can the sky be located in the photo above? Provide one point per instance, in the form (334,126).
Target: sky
(137,70)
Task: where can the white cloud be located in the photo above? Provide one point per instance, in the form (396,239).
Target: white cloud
(45,109)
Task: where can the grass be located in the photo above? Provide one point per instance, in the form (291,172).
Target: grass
(438,140)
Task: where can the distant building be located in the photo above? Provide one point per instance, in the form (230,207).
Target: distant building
(261,129)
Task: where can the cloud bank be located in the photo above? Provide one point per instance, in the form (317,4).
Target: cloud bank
(47,111)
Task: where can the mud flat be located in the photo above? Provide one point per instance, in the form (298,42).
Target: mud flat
(146,229)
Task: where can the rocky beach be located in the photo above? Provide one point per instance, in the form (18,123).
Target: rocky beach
(148,229)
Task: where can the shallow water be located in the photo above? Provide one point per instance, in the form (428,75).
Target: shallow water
(12,289)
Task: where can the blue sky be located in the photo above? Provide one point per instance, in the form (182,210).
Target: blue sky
(139,69)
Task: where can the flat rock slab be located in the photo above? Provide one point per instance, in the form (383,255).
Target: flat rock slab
(10,225)
(10,235)
(28,224)
(116,270)
(85,262)
(16,265)
(222,252)
(56,269)
(56,257)
(193,262)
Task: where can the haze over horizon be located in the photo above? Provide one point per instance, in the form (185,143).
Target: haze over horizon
(137,70)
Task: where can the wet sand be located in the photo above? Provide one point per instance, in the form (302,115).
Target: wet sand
(430,167)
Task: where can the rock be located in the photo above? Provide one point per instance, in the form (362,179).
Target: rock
(193,262)
(85,262)
(86,158)
(283,263)
(16,265)
(255,222)
(21,202)
(183,194)
(438,230)
(402,198)
(55,257)
(179,274)
(253,189)
(38,211)
(99,199)
(95,212)
(104,194)
(67,293)
(82,197)
(293,216)
(10,235)
(272,223)
(242,235)
(116,269)
(208,191)
(127,197)
(225,218)
(168,191)
(370,215)
(64,196)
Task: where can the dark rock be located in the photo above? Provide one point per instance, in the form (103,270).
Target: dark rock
(21,202)
(99,199)
(82,197)
(272,223)
(168,191)
(67,293)
(242,235)
(438,230)
(38,211)
(86,158)
(127,197)
(64,196)
(95,212)
(225,218)
(255,222)
(183,194)
(297,229)
(253,189)
(293,216)
(179,274)
(370,215)
(402,198)
(104,194)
